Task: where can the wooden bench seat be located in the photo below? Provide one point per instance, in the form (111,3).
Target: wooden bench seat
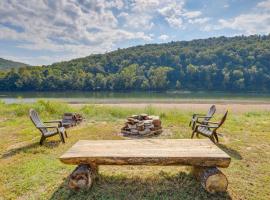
(200,153)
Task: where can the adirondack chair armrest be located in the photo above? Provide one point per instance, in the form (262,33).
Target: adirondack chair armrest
(197,114)
(47,126)
(204,117)
(207,126)
(212,122)
(200,120)
(54,121)
(196,117)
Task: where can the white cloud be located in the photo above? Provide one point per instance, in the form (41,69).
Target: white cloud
(175,22)
(145,5)
(255,22)
(64,26)
(199,20)
(249,23)
(173,14)
(123,14)
(192,14)
(143,12)
(119,4)
(138,21)
(139,15)
(176,15)
(264,4)
(78,28)
(163,37)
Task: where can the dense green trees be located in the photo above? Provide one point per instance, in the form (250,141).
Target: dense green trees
(237,63)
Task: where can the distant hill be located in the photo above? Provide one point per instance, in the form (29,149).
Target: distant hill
(7,64)
(240,63)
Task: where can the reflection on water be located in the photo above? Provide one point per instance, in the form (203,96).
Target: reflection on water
(135,97)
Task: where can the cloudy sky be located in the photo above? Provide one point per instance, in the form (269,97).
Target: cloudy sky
(46,31)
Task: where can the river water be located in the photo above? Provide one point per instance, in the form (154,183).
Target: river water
(136,97)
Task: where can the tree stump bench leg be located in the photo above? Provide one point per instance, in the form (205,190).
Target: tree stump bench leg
(211,178)
(83,177)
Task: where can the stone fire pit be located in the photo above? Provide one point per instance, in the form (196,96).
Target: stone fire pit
(142,125)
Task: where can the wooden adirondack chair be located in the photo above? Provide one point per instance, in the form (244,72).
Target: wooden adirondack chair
(68,120)
(202,119)
(210,129)
(47,131)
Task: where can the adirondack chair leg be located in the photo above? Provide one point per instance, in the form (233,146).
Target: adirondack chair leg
(194,125)
(190,123)
(215,135)
(42,140)
(211,178)
(212,139)
(192,135)
(61,136)
(83,177)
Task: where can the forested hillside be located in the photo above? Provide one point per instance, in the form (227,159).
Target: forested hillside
(7,64)
(237,63)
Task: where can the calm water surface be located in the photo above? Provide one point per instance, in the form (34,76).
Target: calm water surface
(136,97)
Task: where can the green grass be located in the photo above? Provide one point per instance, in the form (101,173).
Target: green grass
(30,171)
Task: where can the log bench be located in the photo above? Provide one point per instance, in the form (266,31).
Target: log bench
(204,156)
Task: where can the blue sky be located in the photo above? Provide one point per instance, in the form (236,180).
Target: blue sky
(45,31)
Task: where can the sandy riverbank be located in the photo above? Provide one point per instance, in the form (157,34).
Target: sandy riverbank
(232,107)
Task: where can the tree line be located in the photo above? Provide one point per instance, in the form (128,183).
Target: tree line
(224,64)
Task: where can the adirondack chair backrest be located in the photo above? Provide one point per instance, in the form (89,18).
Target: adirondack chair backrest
(223,119)
(211,111)
(210,114)
(36,121)
(68,116)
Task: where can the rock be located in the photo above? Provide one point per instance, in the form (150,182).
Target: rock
(132,121)
(145,131)
(149,126)
(134,131)
(144,116)
(135,116)
(140,126)
(156,122)
(155,128)
(130,126)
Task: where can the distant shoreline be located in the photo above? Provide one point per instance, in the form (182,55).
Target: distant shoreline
(116,101)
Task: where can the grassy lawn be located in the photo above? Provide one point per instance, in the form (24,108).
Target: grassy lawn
(30,171)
